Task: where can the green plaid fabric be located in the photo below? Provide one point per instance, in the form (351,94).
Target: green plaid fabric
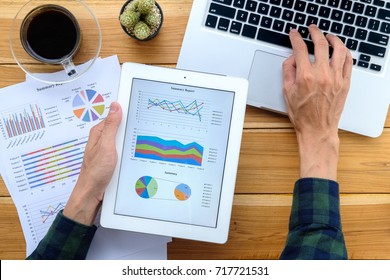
(65,240)
(315,227)
(314,230)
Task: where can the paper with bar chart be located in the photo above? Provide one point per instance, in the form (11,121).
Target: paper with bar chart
(44,130)
(22,120)
(175,146)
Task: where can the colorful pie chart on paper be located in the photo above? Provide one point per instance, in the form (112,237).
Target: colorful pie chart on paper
(88,105)
(182,192)
(146,187)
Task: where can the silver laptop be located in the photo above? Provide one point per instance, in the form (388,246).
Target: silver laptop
(249,38)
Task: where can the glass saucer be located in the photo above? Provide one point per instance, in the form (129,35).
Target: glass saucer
(86,55)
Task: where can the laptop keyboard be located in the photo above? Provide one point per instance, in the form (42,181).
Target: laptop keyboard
(363,25)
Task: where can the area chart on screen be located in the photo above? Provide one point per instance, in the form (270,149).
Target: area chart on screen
(153,147)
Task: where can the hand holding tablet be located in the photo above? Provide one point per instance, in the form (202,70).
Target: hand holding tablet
(178,149)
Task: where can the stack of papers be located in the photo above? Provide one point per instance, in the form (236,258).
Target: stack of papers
(44,129)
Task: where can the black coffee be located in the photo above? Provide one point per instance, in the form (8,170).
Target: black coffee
(51,34)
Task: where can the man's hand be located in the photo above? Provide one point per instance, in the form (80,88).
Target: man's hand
(98,166)
(315,94)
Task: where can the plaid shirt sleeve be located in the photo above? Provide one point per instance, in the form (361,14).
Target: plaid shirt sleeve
(315,227)
(66,240)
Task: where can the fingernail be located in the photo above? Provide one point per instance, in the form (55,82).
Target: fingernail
(114,107)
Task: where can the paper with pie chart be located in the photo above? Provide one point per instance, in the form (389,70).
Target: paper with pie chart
(88,105)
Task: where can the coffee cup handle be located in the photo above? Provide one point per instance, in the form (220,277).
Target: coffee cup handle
(69,67)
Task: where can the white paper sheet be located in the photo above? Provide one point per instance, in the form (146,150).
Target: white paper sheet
(43,132)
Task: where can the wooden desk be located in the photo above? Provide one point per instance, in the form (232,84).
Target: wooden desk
(268,164)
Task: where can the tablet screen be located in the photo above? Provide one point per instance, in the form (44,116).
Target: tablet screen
(174,153)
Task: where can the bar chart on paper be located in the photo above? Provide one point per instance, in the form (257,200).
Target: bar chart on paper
(21,120)
(50,167)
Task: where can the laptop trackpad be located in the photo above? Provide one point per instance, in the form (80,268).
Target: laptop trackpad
(266,81)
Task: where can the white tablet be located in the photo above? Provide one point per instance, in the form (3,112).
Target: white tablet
(178,148)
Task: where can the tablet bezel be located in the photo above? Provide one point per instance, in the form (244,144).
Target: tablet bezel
(239,86)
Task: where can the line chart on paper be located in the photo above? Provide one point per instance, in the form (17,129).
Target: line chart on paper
(40,215)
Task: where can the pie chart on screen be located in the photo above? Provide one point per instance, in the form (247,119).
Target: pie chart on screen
(88,105)
(182,192)
(146,187)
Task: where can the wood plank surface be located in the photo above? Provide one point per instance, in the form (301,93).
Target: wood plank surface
(268,165)
(258,229)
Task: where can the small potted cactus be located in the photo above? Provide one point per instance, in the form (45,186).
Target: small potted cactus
(141,19)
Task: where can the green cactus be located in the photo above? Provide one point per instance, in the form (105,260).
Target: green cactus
(141,30)
(146,6)
(141,18)
(129,19)
(132,6)
(153,19)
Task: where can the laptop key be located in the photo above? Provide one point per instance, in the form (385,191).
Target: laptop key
(361,34)
(363,64)
(226,2)
(385,27)
(221,10)
(304,31)
(239,3)
(263,9)
(254,19)
(364,57)
(278,25)
(379,3)
(372,49)
(275,12)
(349,18)
(311,20)
(370,11)
(288,3)
(289,26)
(336,27)
(242,16)
(351,44)
(373,24)
(287,15)
(346,5)
(223,24)
(324,24)
(235,28)
(375,67)
(300,6)
(280,39)
(358,8)
(211,21)
(361,21)
(266,22)
(312,9)
(384,14)
(377,38)
(249,31)
(333,3)
(274,38)
(251,6)
(349,31)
